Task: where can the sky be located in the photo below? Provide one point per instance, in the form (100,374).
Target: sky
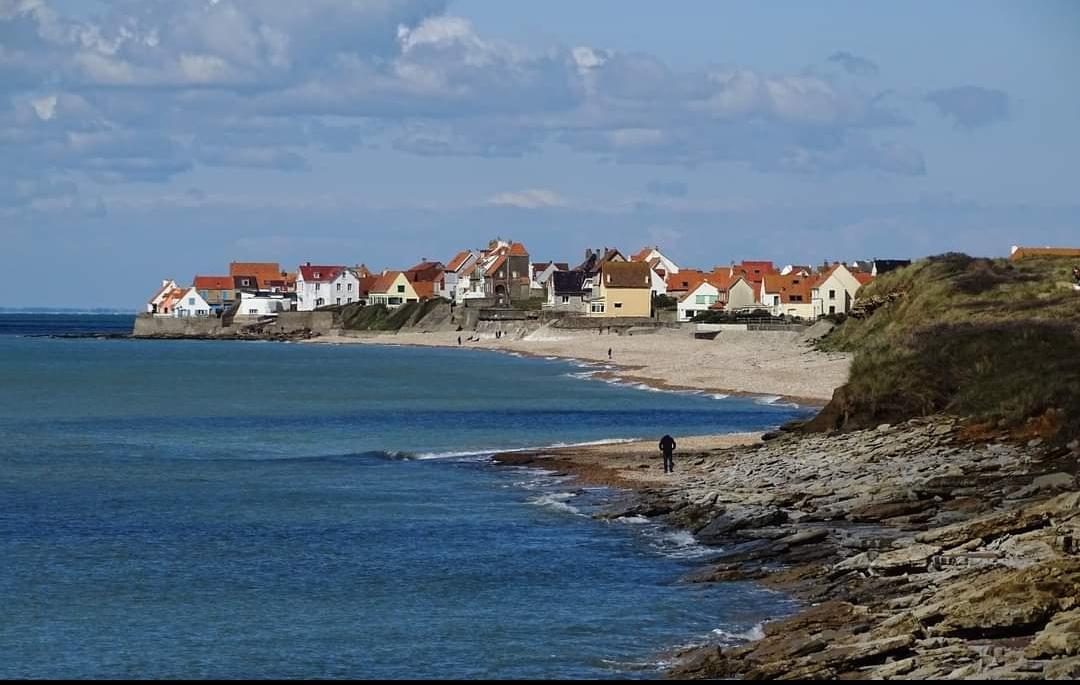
(151,139)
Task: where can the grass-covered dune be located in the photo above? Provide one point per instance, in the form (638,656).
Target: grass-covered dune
(993,340)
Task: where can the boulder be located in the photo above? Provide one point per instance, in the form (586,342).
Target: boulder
(719,528)
(1009,602)
(1060,637)
(914,557)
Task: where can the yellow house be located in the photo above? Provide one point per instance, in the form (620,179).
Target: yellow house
(622,289)
(392,289)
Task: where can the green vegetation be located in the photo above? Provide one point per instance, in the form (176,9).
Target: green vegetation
(664,303)
(378,317)
(995,340)
(717,316)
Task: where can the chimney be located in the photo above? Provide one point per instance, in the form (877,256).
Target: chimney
(307,263)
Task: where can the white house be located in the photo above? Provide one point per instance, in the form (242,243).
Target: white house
(190,304)
(322,286)
(697,300)
(153,305)
(653,253)
(455,278)
(263,304)
(658,281)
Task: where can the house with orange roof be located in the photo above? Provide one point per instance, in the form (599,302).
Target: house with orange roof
(393,289)
(260,271)
(154,304)
(169,301)
(218,291)
(788,295)
(503,272)
(454,284)
(834,290)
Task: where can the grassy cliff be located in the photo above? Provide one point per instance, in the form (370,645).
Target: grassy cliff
(355,317)
(994,340)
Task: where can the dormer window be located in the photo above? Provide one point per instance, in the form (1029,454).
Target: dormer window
(318,275)
(245,282)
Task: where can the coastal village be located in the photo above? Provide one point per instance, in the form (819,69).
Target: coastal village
(606,284)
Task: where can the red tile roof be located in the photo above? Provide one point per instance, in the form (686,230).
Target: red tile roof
(793,285)
(424,289)
(382,283)
(320,274)
(459,259)
(862,277)
(518,250)
(641,256)
(213,282)
(267,271)
(686,279)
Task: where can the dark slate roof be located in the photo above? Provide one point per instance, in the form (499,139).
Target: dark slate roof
(568,282)
(887,265)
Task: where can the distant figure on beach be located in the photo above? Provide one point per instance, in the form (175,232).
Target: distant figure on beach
(667,446)
(459,341)
(609,353)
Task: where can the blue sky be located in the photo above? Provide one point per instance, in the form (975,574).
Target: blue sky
(144,139)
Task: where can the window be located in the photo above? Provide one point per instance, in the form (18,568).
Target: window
(316,287)
(796,298)
(565,299)
(339,287)
(618,305)
(191,301)
(204,293)
(401,288)
(339,300)
(832,310)
(318,275)
(776,299)
(597,308)
(350,300)
(245,282)
(832,294)
(349,288)
(253,311)
(700,299)
(320,302)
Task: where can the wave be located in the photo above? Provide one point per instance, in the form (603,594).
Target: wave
(492,451)
(557,501)
(754,632)
(774,401)
(680,544)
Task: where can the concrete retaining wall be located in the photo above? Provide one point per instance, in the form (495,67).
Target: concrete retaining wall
(149,326)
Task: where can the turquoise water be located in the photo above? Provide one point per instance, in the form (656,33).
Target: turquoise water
(225,509)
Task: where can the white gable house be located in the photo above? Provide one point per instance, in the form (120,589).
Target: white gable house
(191,304)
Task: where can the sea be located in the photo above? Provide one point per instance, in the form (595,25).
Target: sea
(223,509)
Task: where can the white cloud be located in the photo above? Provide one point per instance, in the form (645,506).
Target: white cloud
(534,198)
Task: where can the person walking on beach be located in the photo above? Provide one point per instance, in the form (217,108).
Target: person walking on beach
(667,446)
(609,353)
(459,341)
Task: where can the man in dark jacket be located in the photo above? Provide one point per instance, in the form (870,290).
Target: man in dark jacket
(667,446)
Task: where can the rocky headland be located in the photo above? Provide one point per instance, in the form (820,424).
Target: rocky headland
(927,549)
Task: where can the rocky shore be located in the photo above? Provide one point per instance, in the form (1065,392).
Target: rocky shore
(921,550)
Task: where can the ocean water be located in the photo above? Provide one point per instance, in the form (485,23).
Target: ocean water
(246,509)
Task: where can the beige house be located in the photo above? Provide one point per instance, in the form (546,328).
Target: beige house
(741,293)
(622,289)
(393,289)
(835,290)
